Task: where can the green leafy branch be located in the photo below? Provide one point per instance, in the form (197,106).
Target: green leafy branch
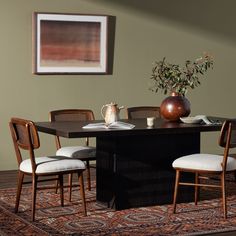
(173,78)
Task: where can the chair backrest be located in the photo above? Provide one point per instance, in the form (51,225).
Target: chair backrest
(143,112)
(25,136)
(227,138)
(71,115)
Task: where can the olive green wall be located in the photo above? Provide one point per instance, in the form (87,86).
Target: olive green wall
(145,31)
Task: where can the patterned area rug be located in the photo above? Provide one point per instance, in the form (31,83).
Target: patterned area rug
(51,219)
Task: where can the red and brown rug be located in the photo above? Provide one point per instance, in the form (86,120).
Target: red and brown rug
(51,219)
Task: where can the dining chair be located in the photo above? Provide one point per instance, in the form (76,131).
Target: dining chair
(143,112)
(85,153)
(26,139)
(204,164)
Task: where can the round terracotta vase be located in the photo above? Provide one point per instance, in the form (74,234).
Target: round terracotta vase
(174,107)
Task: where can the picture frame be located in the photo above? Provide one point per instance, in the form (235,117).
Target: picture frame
(70,43)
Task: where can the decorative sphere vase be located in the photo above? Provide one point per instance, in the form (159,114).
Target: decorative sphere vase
(174,107)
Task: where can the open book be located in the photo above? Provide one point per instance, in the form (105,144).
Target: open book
(198,119)
(114,125)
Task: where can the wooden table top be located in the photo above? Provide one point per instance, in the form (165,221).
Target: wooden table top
(73,129)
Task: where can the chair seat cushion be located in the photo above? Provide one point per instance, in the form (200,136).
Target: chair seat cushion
(206,162)
(52,164)
(80,152)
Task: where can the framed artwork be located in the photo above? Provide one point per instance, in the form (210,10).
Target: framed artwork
(70,43)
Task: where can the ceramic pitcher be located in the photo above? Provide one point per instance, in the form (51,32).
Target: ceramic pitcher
(110,112)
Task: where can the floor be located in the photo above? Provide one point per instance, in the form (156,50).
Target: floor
(8,180)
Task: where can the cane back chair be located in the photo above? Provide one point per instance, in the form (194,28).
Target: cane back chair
(85,153)
(25,138)
(143,112)
(205,164)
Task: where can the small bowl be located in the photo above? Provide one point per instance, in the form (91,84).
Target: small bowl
(190,120)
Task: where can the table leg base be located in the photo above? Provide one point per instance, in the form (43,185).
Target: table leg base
(137,171)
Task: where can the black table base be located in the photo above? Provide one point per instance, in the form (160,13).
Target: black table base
(135,171)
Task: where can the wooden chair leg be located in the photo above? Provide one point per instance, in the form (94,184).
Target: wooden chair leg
(61,189)
(34,189)
(223,195)
(82,193)
(56,186)
(88,175)
(19,188)
(176,190)
(70,177)
(196,188)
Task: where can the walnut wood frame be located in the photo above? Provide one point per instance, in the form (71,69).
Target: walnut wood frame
(227,140)
(25,136)
(147,111)
(65,116)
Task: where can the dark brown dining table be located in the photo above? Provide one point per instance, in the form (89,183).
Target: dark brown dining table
(134,166)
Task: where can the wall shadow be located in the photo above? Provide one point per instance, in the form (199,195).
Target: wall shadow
(214,16)
(111,43)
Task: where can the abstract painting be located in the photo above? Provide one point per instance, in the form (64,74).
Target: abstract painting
(69,44)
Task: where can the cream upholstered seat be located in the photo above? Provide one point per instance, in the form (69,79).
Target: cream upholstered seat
(25,137)
(85,153)
(51,164)
(207,162)
(204,164)
(80,152)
